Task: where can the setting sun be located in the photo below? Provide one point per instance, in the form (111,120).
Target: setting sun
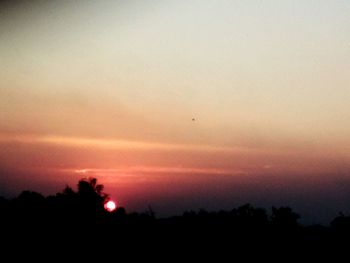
(110,206)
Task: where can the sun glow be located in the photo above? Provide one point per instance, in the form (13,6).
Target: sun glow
(110,206)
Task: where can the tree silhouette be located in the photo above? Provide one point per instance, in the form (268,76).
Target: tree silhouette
(79,216)
(284,217)
(91,199)
(89,187)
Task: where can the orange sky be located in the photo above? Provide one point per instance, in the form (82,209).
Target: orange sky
(109,89)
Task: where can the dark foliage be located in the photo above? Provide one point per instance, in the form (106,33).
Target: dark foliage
(78,219)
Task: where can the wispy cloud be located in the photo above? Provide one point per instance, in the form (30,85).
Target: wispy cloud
(134,170)
(118,144)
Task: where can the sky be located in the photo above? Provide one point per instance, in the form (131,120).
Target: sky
(179,104)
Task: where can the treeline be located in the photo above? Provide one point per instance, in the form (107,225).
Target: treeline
(82,213)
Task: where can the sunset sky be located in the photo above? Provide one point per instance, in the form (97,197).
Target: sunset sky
(179,104)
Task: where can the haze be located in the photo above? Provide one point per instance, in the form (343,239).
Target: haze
(179,104)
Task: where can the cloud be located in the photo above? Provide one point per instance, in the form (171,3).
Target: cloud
(118,144)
